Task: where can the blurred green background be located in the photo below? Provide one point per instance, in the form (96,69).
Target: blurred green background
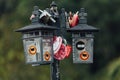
(103,14)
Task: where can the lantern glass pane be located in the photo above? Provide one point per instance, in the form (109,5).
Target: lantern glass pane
(32,50)
(25,35)
(47,33)
(37,33)
(75,35)
(83,50)
(82,34)
(89,34)
(30,34)
(47,49)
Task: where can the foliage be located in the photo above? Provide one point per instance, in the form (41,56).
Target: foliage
(103,14)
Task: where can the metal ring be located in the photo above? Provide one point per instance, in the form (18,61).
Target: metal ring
(32,50)
(84,55)
(47,56)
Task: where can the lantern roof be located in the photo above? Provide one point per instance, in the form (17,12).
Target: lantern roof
(82,25)
(83,28)
(36,26)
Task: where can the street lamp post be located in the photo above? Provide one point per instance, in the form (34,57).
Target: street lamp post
(38,38)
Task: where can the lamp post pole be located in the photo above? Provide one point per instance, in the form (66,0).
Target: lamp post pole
(55,73)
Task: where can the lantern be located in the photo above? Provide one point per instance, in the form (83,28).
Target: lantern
(82,40)
(38,41)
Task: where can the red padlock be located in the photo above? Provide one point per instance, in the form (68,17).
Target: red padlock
(61,54)
(61,50)
(73,20)
(68,51)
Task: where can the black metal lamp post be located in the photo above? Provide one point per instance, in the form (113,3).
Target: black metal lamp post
(38,39)
(82,40)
